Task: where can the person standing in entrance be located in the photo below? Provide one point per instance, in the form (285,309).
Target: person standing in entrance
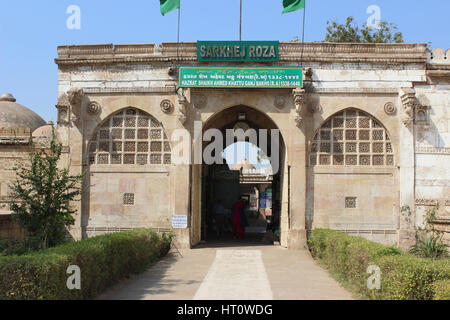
(239,219)
(219,217)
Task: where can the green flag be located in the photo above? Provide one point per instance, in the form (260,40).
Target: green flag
(293,5)
(169,5)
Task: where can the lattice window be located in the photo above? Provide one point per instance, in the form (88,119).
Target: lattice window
(128,199)
(352,138)
(351,202)
(130,137)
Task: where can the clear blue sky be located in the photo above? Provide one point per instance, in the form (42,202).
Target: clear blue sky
(30,31)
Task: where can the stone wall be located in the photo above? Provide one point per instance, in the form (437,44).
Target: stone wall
(385,82)
(9,229)
(432,136)
(10,156)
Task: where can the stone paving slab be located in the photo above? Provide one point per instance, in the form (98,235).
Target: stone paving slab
(236,275)
(232,273)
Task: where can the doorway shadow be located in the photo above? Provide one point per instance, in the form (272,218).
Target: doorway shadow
(227,241)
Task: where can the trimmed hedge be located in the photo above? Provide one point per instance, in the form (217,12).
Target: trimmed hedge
(442,290)
(403,276)
(103,261)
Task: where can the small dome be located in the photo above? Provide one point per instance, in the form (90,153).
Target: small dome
(243,164)
(44,131)
(16,116)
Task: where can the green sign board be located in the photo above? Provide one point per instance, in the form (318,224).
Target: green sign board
(255,51)
(235,77)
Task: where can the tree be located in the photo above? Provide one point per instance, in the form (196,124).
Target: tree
(41,195)
(350,32)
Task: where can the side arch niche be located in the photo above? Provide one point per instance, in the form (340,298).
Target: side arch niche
(352,178)
(352,138)
(130,137)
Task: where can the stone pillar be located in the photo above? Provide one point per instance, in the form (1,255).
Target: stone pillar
(196,204)
(182,198)
(284,222)
(183,178)
(75,140)
(406,233)
(297,161)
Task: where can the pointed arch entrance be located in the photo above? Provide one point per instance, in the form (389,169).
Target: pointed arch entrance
(218,183)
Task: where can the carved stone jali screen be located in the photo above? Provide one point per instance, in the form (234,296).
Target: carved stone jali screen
(352,138)
(130,137)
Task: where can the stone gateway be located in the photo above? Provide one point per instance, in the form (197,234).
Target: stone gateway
(363,146)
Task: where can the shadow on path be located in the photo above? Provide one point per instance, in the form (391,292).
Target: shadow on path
(157,281)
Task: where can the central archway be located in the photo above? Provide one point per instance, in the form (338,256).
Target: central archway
(218,183)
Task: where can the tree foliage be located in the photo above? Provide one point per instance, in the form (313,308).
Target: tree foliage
(351,32)
(41,195)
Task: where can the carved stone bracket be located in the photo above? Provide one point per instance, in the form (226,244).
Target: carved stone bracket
(307,78)
(75,99)
(182,102)
(409,102)
(299,102)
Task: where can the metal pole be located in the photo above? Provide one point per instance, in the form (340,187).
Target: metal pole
(179,18)
(178,38)
(303,34)
(240,24)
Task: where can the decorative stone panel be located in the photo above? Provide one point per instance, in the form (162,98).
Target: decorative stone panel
(422,115)
(199,100)
(94,108)
(63,107)
(167,106)
(390,109)
(279,102)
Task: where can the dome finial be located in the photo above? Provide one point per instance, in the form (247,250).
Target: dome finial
(8,97)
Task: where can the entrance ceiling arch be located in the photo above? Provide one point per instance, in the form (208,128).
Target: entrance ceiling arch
(229,117)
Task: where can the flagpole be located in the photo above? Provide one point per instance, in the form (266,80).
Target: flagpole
(303,34)
(240,24)
(178,38)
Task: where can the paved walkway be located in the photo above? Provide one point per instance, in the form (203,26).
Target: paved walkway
(225,271)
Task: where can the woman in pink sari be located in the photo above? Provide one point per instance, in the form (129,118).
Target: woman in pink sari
(239,220)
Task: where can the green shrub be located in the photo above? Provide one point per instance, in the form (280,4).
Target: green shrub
(429,246)
(410,278)
(442,290)
(103,261)
(403,276)
(4,245)
(430,240)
